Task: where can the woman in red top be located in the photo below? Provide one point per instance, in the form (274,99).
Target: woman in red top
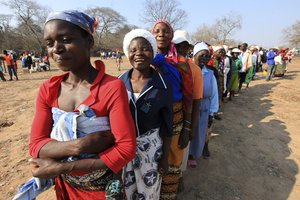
(68,36)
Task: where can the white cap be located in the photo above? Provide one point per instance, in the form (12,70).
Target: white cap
(216,48)
(181,36)
(236,50)
(199,47)
(139,33)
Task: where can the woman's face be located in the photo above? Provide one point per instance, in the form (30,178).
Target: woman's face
(202,58)
(66,45)
(163,35)
(220,53)
(235,55)
(183,48)
(243,47)
(140,54)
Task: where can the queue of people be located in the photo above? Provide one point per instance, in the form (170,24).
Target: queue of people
(95,136)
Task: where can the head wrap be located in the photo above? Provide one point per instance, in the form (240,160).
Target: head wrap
(80,19)
(172,53)
(166,23)
(139,33)
(282,50)
(199,46)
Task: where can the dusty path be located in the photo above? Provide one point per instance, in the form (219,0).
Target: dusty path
(255,153)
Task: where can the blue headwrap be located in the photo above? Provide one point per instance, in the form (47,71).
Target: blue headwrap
(84,21)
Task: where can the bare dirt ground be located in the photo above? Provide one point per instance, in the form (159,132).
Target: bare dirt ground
(255,151)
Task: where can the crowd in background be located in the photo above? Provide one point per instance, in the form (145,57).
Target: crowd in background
(29,62)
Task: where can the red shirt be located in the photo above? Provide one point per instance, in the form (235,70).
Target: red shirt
(108,98)
(8,59)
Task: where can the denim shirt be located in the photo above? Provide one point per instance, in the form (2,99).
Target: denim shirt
(210,89)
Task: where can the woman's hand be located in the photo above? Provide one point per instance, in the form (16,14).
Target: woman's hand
(95,143)
(46,167)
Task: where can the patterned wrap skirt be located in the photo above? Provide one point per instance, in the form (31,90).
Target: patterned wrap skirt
(170,180)
(141,177)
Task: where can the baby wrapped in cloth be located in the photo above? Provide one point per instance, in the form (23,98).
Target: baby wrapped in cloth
(67,126)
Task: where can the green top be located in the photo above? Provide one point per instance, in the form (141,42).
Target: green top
(236,65)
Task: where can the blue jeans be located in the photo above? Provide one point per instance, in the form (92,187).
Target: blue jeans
(11,71)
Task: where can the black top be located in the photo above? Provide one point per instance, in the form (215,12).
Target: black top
(153,107)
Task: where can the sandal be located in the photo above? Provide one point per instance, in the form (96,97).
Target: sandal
(192,163)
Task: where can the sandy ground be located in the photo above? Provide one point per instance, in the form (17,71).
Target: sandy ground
(255,151)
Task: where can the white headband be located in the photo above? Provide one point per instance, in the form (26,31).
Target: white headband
(139,33)
(199,47)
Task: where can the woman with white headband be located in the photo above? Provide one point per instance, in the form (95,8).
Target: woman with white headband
(150,96)
(209,105)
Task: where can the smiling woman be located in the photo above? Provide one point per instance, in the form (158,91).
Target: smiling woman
(150,102)
(165,62)
(66,46)
(82,116)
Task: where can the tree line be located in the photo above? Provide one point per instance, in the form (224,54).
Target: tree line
(27,34)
